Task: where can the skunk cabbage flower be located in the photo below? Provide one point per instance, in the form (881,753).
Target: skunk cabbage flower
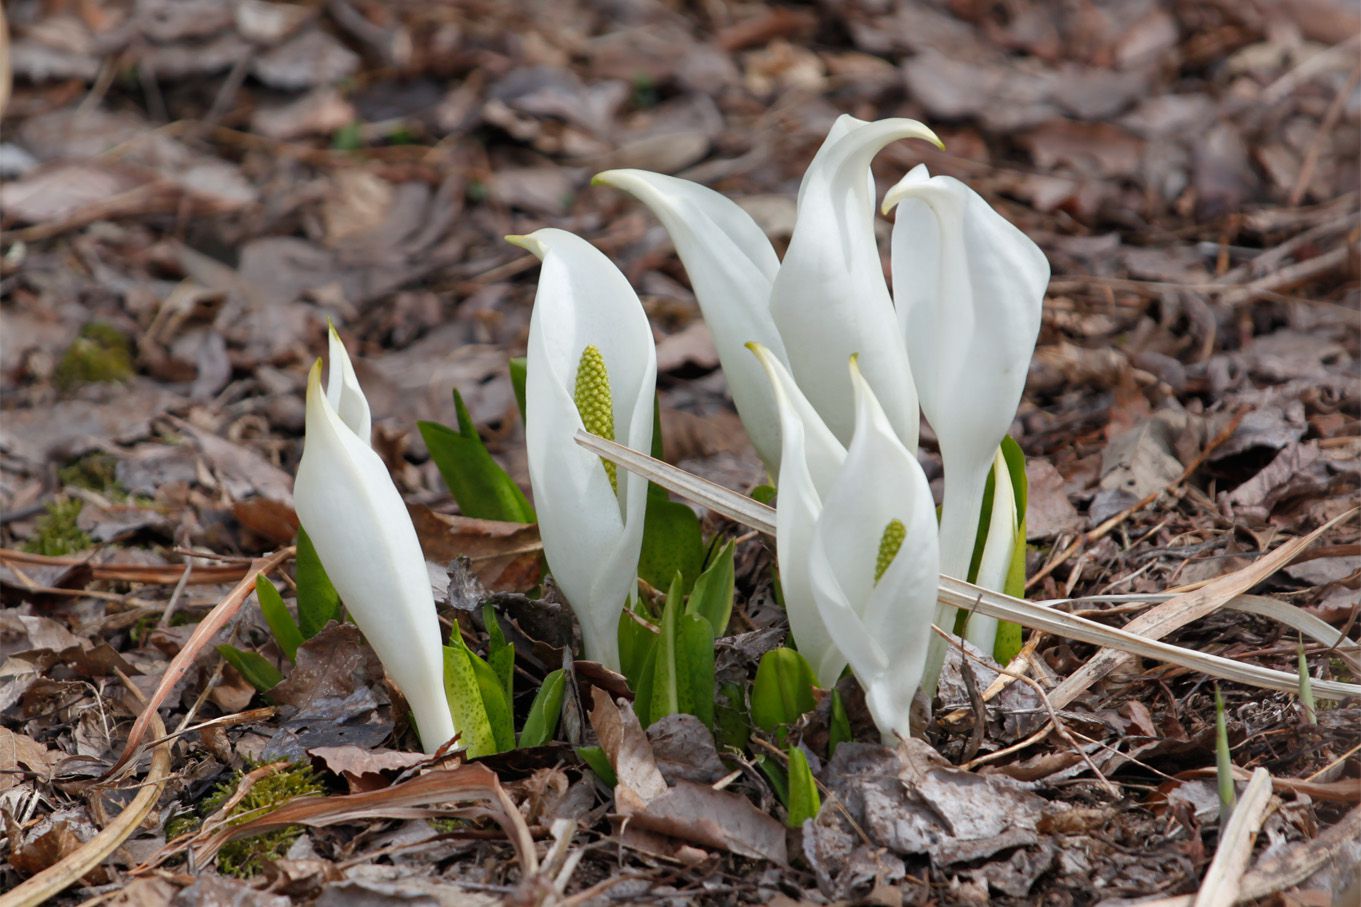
(810,460)
(827,300)
(875,564)
(998,548)
(355,517)
(731,266)
(591,364)
(969,288)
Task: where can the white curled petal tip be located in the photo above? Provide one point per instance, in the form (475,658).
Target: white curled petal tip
(342,388)
(818,448)
(830,299)
(528,242)
(681,202)
(363,535)
(918,176)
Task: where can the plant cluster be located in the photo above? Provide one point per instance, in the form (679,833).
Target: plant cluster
(830,374)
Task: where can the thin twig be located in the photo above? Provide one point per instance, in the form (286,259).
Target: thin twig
(1048,707)
(76,865)
(1111,523)
(1324,133)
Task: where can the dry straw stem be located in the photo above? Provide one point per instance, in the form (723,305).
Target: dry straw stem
(1181,610)
(1264,606)
(1285,868)
(203,634)
(167,575)
(1293,616)
(959,594)
(1224,878)
(419,797)
(76,865)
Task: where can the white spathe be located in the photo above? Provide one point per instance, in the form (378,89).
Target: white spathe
(591,535)
(731,266)
(827,301)
(882,626)
(810,460)
(347,503)
(969,289)
(998,548)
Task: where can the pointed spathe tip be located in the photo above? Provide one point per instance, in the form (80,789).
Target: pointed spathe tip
(530,242)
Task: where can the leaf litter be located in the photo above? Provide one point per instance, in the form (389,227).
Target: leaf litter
(213,182)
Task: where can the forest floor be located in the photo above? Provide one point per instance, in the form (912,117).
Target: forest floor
(191,188)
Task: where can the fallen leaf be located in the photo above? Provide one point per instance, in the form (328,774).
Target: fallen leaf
(691,346)
(503,556)
(684,750)
(723,820)
(622,738)
(20,753)
(1048,511)
(312,58)
(362,767)
(687,813)
(1134,464)
(1297,471)
(68,189)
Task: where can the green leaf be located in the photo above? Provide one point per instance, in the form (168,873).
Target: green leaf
(495,702)
(783,690)
(642,691)
(465,700)
(542,721)
(838,725)
(764,494)
(664,691)
(482,488)
(519,368)
(732,726)
(695,656)
(776,775)
(712,595)
(1008,641)
(495,635)
(253,666)
(636,643)
(672,542)
(598,762)
(980,539)
(1015,460)
(804,801)
(281,623)
(500,653)
(683,671)
(1306,685)
(1228,796)
(318,601)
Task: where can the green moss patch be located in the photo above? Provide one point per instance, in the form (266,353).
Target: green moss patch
(245,857)
(57,532)
(99,353)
